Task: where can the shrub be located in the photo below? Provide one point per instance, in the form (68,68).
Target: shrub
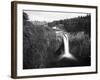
(80,44)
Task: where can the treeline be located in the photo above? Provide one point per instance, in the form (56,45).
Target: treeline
(78,24)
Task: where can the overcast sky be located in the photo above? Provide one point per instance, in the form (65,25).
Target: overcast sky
(51,16)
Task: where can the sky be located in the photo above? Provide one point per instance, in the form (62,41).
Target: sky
(50,16)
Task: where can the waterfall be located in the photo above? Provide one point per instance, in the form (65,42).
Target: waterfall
(64,35)
(66,53)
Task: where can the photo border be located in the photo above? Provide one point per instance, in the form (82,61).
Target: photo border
(14,37)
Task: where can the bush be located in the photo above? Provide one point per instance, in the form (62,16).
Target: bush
(80,44)
(39,45)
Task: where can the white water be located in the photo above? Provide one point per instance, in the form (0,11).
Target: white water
(64,35)
(66,53)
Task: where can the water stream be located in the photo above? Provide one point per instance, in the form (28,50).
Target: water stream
(65,38)
(66,54)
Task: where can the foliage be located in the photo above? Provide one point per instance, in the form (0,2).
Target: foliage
(80,44)
(75,24)
(40,46)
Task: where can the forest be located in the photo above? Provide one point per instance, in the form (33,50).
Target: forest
(76,24)
(40,45)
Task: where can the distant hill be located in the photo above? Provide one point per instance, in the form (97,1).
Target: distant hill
(77,24)
(39,22)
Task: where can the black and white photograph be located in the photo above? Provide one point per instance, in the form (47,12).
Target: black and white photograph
(56,39)
(53,39)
